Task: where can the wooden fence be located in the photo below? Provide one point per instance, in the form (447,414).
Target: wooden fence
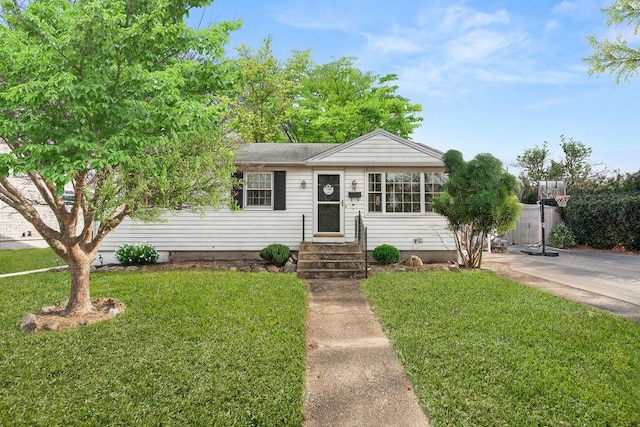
(527,231)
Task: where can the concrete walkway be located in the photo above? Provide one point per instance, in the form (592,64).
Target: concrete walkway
(22,273)
(354,377)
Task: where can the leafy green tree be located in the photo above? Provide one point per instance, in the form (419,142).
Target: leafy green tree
(339,102)
(266,91)
(114,101)
(574,168)
(535,165)
(617,57)
(478,198)
(299,101)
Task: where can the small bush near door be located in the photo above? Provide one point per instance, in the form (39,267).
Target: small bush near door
(276,254)
(386,254)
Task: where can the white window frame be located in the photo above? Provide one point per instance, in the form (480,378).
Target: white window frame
(429,191)
(383,194)
(247,190)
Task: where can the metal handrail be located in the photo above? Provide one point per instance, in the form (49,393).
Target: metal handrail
(303,227)
(361,239)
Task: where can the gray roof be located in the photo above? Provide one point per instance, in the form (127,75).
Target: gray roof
(280,154)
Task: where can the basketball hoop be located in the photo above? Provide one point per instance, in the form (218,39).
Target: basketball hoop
(561,200)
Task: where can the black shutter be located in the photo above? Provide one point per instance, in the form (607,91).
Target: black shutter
(279,190)
(236,191)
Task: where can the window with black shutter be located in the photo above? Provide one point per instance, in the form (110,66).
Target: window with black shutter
(280,190)
(236,191)
(261,190)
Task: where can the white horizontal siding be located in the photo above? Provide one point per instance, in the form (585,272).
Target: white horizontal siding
(253,229)
(247,229)
(381,150)
(427,232)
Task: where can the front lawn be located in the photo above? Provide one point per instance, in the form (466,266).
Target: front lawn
(12,261)
(193,348)
(484,351)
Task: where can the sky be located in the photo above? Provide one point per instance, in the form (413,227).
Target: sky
(492,76)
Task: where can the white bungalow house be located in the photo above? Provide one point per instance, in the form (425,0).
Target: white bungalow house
(312,192)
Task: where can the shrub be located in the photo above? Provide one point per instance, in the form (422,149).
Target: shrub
(605,220)
(276,254)
(137,254)
(386,254)
(561,236)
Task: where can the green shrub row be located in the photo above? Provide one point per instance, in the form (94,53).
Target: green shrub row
(605,220)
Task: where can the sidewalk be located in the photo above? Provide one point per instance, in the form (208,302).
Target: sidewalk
(22,273)
(354,377)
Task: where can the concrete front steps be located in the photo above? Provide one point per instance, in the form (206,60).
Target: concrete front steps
(330,261)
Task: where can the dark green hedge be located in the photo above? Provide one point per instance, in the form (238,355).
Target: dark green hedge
(605,220)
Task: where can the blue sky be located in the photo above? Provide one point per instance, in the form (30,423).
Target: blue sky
(492,76)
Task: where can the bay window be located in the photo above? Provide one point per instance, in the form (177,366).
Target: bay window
(402,192)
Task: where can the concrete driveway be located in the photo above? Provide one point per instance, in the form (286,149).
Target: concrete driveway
(606,280)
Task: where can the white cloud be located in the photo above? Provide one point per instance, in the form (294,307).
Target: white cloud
(447,52)
(551,25)
(392,44)
(565,7)
(464,18)
(479,45)
(302,16)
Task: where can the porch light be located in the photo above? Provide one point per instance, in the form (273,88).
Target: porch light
(303,184)
(354,185)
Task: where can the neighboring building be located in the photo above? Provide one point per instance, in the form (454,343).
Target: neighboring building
(312,192)
(15,231)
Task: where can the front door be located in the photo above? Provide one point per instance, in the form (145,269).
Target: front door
(329,221)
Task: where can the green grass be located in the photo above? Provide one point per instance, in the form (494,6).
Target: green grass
(12,261)
(193,348)
(484,351)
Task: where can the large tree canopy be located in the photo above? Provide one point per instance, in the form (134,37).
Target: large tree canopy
(115,101)
(265,92)
(478,198)
(338,103)
(300,101)
(617,57)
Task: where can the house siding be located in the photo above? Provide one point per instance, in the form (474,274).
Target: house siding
(226,230)
(249,230)
(379,150)
(424,231)
(253,229)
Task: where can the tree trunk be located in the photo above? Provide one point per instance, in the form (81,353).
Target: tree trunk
(79,298)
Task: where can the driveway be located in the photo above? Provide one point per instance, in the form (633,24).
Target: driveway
(606,280)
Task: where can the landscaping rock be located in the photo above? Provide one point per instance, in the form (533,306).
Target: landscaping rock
(290,267)
(28,323)
(414,261)
(273,268)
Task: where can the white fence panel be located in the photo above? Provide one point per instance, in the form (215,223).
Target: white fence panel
(527,231)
